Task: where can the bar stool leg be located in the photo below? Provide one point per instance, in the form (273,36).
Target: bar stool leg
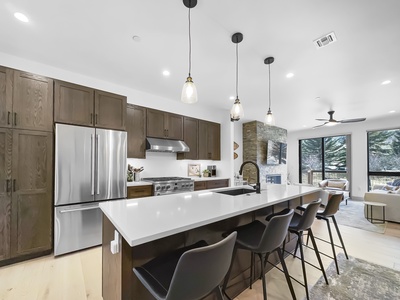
(218,293)
(303,265)
(263,260)
(340,236)
(332,245)
(285,270)
(317,254)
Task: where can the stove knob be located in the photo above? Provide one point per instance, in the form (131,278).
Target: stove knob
(167,187)
(157,187)
(163,187)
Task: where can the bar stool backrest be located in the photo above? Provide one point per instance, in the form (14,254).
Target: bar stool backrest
(275,232)
(333,205)
(199,271)
(308,216)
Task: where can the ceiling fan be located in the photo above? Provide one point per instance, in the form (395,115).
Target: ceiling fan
(331,121)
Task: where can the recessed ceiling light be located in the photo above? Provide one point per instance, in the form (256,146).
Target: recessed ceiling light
(289,75)
(392,111)
(232,98)
(21,17)
(136,38)
(317,98)
(166,73)
(386,82)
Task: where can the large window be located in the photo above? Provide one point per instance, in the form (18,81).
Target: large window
(324,158)
(383,157)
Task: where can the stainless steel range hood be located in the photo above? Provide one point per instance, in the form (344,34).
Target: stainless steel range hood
(163,145)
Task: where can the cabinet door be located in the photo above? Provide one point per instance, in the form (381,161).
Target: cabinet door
(73,104)
(139,191)
(5,192)
(203,149)
(6,78)
(190,137)
(155,124)
(174,126)
(32,102)
(110,110)
(136,129)
(31,221)
(214,140)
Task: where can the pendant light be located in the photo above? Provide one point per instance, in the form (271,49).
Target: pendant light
(237,109)
(269,117)
(189,91)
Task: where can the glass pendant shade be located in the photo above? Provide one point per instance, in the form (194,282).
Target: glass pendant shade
(237,111)
(189,92)
(269,118)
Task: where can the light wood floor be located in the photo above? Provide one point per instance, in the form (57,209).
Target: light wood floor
(78,276)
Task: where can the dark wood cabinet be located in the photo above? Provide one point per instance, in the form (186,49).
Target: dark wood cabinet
(110,110)
(31,222)
(210,184)
(26,159)
(190,137)
(6,84)
(162,124)
(139,191)
(80,105)
(26,100)
(73,104)
(136,131)
(209,140)
(5,192)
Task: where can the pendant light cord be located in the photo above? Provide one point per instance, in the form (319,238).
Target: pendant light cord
(269,82)
(190,46)
(237,70)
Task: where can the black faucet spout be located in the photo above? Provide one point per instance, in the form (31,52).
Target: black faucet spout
(258,186)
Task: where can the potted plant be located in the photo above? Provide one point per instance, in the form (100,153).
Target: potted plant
(206,173)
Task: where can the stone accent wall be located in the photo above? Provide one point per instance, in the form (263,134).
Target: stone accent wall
(255,140)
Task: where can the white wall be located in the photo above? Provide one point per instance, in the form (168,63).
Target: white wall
(156,164)
(358,132)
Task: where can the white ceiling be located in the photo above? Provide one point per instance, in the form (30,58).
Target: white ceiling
(94,38)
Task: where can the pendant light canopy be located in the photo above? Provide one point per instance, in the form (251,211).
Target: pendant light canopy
(237,109)
(269,117)
(189,91)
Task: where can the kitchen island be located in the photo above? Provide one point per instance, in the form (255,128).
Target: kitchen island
(148,227)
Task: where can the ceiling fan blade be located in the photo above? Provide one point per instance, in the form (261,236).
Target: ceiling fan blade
(325,120)
(320,125)
(352,120)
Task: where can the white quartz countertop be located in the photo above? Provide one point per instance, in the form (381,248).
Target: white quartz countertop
(138,183)
(146,219)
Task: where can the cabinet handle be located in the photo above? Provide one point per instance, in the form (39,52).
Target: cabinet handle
(96,120)
(8,118)
(91,118)
(7,185)
(15,119)
(14,184)
(167,132)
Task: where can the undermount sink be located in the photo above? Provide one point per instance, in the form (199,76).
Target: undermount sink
(237,192)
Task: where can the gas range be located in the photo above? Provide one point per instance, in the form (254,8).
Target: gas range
(170,185)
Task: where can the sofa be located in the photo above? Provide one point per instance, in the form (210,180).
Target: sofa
(390,195)
(336,185)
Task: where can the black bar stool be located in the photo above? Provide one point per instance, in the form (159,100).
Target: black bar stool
(298,225)
(262,240)
(189,273)
(329,212)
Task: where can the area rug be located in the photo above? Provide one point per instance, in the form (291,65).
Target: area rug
(352,215)
(358,280)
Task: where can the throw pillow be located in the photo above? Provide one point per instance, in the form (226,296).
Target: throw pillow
(336,184)
(388,187)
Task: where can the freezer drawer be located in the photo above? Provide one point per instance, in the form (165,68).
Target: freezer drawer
(77,227)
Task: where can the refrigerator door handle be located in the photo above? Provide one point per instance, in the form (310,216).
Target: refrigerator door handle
(93,162)
(98,163)
(78,209)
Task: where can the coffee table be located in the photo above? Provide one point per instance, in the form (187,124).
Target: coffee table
(370,206)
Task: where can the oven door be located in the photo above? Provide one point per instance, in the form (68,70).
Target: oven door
(77,227)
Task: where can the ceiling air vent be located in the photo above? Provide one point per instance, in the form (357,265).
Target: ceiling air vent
(325,40)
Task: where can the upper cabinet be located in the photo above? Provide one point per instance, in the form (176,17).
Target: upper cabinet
(136,129)
(79,105)
(209,140)
(26,100)
(190,137)
(162,125)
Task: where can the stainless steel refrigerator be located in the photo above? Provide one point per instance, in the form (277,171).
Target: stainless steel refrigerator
(90,167)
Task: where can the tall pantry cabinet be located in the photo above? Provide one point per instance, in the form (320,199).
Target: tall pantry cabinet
(26,159)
